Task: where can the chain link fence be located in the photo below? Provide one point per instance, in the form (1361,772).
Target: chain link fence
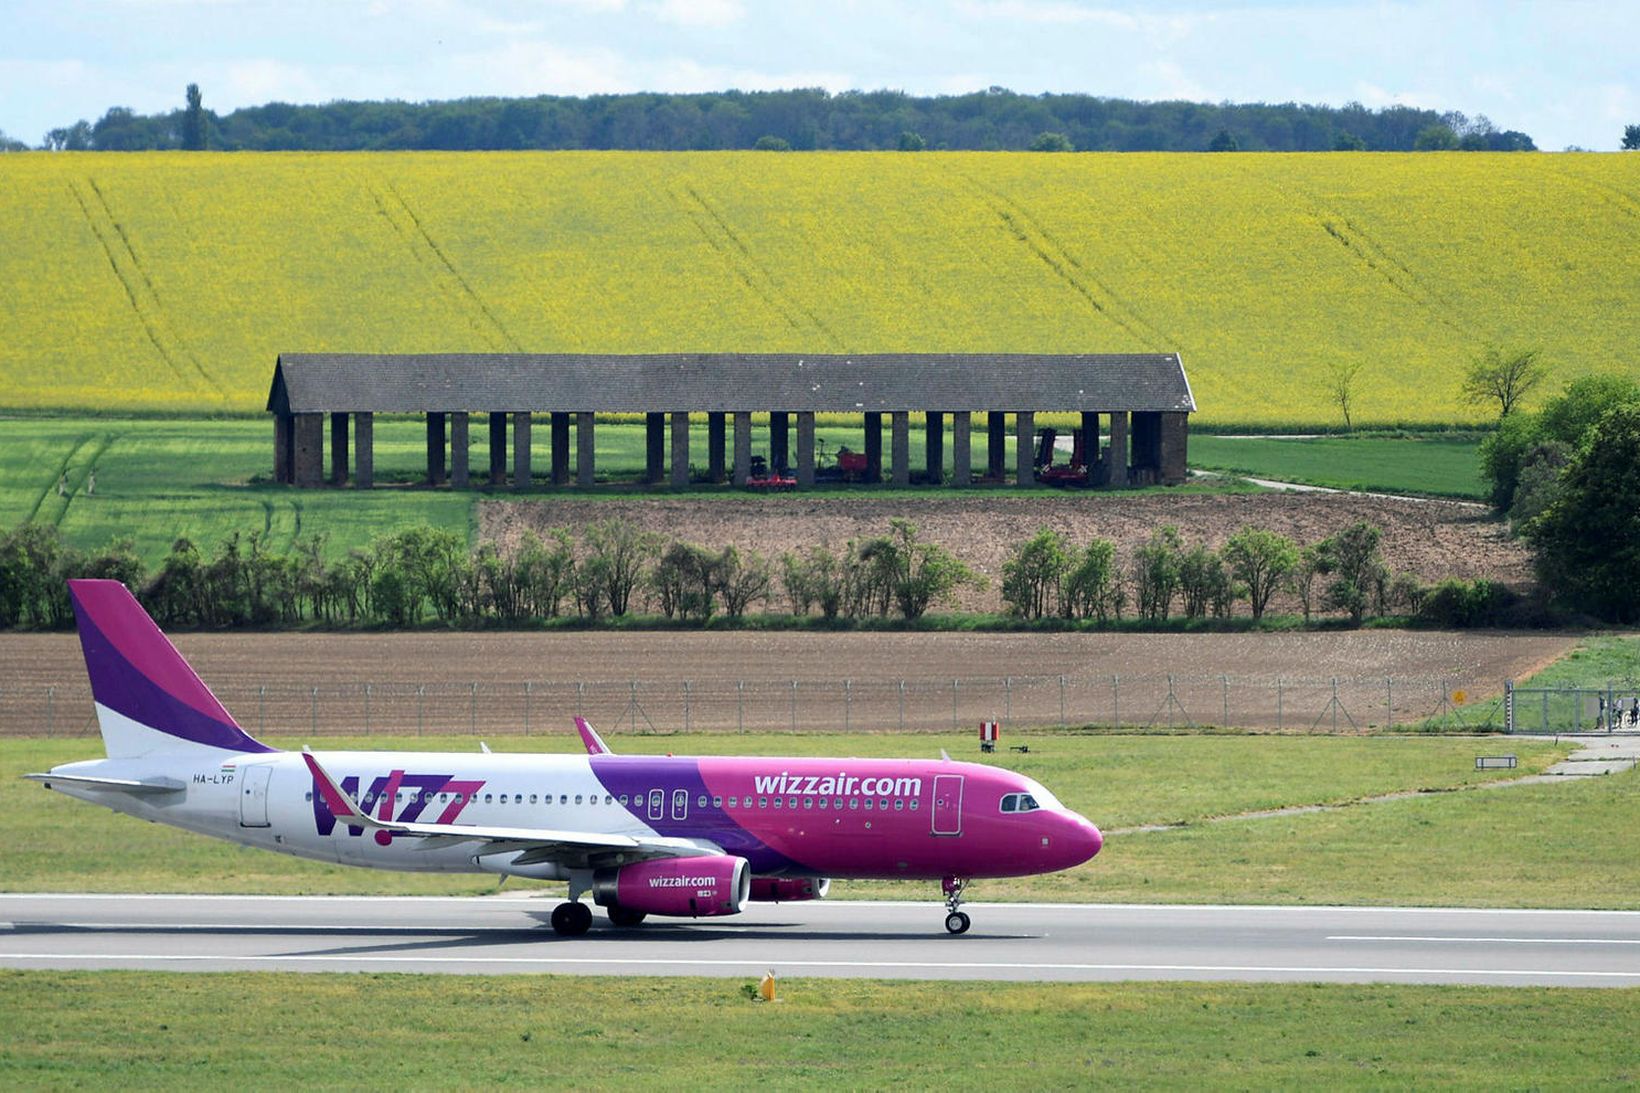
(1614,707)
(1129,703)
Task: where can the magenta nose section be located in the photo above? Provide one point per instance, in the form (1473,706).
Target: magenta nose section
(1089,839)
(1075,841)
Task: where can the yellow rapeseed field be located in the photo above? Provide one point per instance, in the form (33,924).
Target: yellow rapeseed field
(169,281)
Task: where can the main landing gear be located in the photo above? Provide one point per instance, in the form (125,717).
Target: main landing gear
(571,919)
(955,921)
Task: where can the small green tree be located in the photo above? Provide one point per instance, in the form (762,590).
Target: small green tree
(911,142)
(1052,142)
(1349,142)
(1260,561)
(618,555)
(919,574)
(1032,578)
(685,581)
(1091,589)
(1224,141)
(742,578)
(1156,573)
(1435,137)
(1504,378)
(770,143)
(1353,561)
(1631,138)
(193,121)
(1204,584)
(1341,375)
(1302,581)
(1588,540)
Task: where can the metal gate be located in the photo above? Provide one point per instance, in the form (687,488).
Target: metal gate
(947,804)
(253,796)
(1612,708)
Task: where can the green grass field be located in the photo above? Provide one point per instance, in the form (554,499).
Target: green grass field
(1433,847)
(157,281)
(165,1030)
(1439,465)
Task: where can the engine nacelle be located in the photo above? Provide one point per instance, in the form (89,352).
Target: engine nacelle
(718,884)
(788,889)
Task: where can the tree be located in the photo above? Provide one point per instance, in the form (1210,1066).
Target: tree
(1032,580)
(1052,142)
(1091,589)
(1261,560)
(742,579)
(1349,142)
(918,574)
(618,554)
(1156,573)
(1224,141)
(911,141)
(1631,138)
(1588,540)
(1352,559)
(770,143)
(9,145)
(1341,388)
(1204,584)
(1439,137)
(193,122)
(1504,378)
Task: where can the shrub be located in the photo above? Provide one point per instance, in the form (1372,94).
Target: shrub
(1260,560)
(1091,589)
(1032,579)
(1156,573)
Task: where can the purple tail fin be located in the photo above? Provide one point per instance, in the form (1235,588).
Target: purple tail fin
(148,698)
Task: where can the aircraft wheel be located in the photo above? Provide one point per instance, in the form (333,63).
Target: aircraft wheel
(571,919)
(957,923)
(624,916)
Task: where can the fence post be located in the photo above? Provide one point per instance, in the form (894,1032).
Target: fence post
(313,711)
(1224,687)
(848,702)
(902,705)
(529,687)
(1389,703)
(261,702)
(1062,703)
(1509,706)
(367,709)
(1335,704)
(421,707)
(472,709)
(580,695)
(740,705)
(1278,703)
(1116,699)
(1007,700)
(954,705)
(51,709)
(1171,701)
(686,705)
(794,705)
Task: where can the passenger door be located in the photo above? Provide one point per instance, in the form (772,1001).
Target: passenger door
(947,813)
(253,796)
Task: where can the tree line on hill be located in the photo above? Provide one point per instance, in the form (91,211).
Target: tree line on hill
(803,119)
(423,575)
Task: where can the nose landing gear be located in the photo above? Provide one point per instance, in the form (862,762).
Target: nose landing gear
(955,921)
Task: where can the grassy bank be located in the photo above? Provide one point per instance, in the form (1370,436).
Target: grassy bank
(164,1030)
(1441,465)
(1433,847)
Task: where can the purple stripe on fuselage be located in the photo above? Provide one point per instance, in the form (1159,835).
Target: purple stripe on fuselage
(117,684)
(636,776)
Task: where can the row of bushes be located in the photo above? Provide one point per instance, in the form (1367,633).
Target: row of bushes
(418,574)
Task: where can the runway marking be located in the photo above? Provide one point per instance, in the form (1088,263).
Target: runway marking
(1492,940)
(878,965)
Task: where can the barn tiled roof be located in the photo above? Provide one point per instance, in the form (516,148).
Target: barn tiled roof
(415,383)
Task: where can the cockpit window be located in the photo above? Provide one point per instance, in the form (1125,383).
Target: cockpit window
(1019,802)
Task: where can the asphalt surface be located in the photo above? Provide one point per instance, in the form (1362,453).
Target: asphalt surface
(509,934)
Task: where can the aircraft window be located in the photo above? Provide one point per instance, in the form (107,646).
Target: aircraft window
(608,800)
(1010,802)
(487,798)
(899,805)
(624,799)
(444,797)
(824,801)
(734,802)
(309,796)
(837,803)
(808,802)
(399,796)
(913,804)
(700,802)
(853,803)
(518,798)
(1027,803)
(883,804)
(577,798)
(592,800)
(791,802)
(717,802)
(532,798)
(869,804)
(762,802)
(777,802)
(456,797)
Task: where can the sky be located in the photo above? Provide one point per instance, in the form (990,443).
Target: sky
(1563,71)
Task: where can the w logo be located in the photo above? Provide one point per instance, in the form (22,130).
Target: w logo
(398,796)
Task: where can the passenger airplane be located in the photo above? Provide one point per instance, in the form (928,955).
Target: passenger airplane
(645,835)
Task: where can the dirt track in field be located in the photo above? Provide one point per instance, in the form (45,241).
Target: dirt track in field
(1431,539)
(317,683)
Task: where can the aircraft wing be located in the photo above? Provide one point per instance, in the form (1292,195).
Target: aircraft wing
(576,848)
(116,785)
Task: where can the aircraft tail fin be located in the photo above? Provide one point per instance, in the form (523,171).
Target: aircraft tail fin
(149,700)
(589,736)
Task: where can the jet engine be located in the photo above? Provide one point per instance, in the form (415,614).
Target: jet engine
(717,884)
(788,889)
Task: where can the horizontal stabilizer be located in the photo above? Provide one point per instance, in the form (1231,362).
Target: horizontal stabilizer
(116,785)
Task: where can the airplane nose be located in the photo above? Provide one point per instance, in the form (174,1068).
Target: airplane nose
(1079,840)
(1092,840)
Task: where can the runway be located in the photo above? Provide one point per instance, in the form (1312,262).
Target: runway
(1063,942)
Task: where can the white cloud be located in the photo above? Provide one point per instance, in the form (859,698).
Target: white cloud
(699,13)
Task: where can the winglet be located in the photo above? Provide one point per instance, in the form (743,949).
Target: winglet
(340,804)
(589,736)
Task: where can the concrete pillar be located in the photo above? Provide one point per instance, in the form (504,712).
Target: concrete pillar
(338,449)
(583,449)
(522,455)
(1090,448)
(962,464)
(900,447)
(743,447)
(284,428)
(996,444)
(715,430)
(498,449)
(654,448)
(436,443)
(874,447)
(779,441)
(364,447)
(805,448)
(308,450)
(1175,440)
(680,449)
(560,448)
(934,447)
(1025,448)
(1118,457)
(459,449)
